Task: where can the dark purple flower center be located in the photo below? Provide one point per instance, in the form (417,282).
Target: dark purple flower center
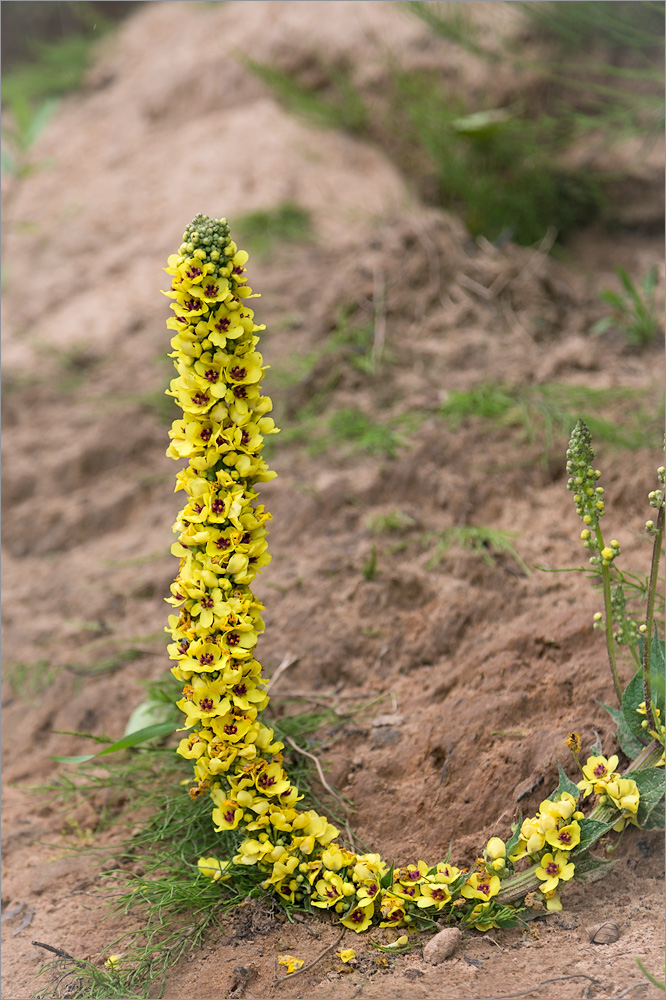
(552,868)
(599,771)
(245,437)
(212,375)
(233,638)
(207,602)
(217,506)
(206,704)
(191,305)
(564,836)
(193,272)
(230,729)
(238,373)
(240,690)
(223,325)
(200,398)
(240,392)
(205,434)
(211,290)
(229,816)
(206,659)
(223,543)
(357,916)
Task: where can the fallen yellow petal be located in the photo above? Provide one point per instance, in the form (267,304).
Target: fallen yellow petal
(346,954)
(293,964)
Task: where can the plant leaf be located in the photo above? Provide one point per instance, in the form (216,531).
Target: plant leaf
(650,781)
(131,740)
(631,699)
(565,785)
(629,745)
(656,819)
(588,864)
(590,831)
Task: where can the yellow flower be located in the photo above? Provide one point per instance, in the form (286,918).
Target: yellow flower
(481,886)
(214,869)
(554,869)
(227,816)
(346,955)
(411,874)
(624,794)
(532,838)
(496,848)
(447,873)
(367,867)
(434,894)
(392,910)
(360,917)
(553,901)
(566,838)
(330,889)
(596,773)
(112,961)
(293,964)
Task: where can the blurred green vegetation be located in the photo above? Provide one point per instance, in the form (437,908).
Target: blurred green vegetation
(46,49)
(265,229)
(548,412)
(598,69)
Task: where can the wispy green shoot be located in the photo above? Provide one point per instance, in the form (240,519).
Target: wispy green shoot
(486,542)
(633,311)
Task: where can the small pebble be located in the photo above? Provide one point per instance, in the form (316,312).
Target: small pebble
(442,945)
(604,933)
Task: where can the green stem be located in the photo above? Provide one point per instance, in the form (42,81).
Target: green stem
(610,642)
(649,618)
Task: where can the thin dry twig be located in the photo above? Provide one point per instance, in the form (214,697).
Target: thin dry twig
(432,254)
(324,695)
(27,920)
(634,986)
(313,699)
(56,951)
(555,979)
(306,753)
(287,661)
(290,975)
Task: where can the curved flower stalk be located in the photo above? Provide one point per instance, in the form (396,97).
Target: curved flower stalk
(221,545)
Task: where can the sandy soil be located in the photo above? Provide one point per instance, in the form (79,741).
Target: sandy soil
(484,668)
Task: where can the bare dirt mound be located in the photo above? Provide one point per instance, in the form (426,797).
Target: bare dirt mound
(478,667)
